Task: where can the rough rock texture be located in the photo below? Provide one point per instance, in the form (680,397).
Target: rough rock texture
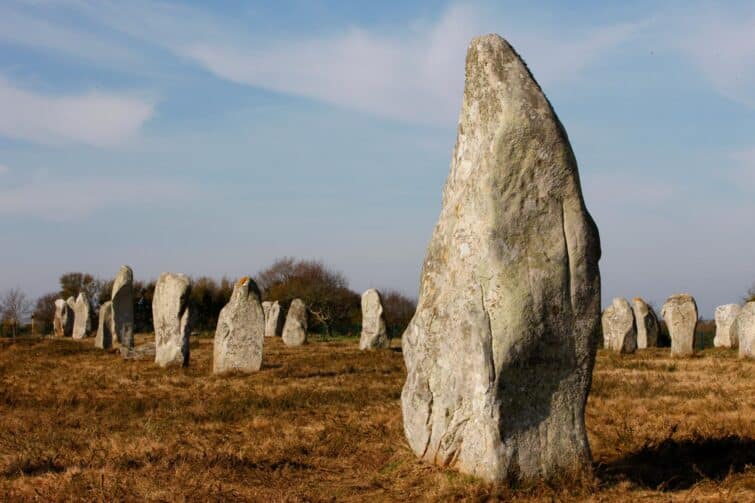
(105,327)
(726,315)
(646,322)
(680,314)
(141,352)
(122,297)
(744,330)
(82,318)
(274,321)
(266,309)
(619,330)
(170,313)
(295,329)
(374,334)
(501,348)
(240,331)
(63,321)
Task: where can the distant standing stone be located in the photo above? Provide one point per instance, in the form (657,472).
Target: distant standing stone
(295,329)
(240,331)
(680,314)
(619,331)
(647,324)
(726,315)
(274,321)
(171,317)
(266,309)
(63,321)
(122,297)
(374,334)
(82,318)
(105,327)
(744,330)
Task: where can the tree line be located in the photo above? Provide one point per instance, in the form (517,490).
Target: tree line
(333,307)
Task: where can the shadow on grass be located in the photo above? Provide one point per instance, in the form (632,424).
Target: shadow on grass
(674,465)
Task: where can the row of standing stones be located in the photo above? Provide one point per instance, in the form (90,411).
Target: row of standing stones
(628,328)
(242,325)
(501,349)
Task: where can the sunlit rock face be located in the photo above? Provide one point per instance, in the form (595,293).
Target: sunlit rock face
(501,348)
(171,319)
(680,314)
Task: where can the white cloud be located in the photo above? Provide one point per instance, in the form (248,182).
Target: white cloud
(417,76)
(721,44)
(70,199)
(95,118)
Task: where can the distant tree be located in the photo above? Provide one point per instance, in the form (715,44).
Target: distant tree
(398,310)
(750,294)
(74,283)
(330,302)
(14,307)
(207,298)
(44,312)
(143,294)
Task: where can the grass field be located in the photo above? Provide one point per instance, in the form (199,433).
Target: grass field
(323,422)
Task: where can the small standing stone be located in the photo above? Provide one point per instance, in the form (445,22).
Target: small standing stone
(240,331)
(122,297)
(295,329)
(619,331)
(647,324)
(744,330)
(266,309)
(374,334)
(680,314)
(274,321)
(726,315)
(82,319)
(105,327)
(63,321)
(171,317)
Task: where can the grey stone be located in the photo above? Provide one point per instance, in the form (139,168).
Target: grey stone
(82,318)
(500,351)
(141,352)
(374,334)
(171,317)
(647,324)
(122,297)
(619,330)
(274,321)
(240,331)
(266,309)
(726,315)
(105,327)
(680,314)
(295,328)
(63,321)
(744,330)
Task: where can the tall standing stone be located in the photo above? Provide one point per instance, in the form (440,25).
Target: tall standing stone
(105,327)
(63,321)
(619,330)
(240,331)
(295,328)
(744,330)
(82,319)
(680,314)
(266,309)
(122,297)
(500,351)
(647,324)
(726,315)
(374,334)
(171,317)
(274,321)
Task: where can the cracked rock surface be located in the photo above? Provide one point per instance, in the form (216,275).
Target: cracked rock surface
(501,348)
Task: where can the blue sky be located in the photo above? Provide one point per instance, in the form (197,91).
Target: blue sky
(211,138)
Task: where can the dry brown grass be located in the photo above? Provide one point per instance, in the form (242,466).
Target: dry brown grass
(323,422)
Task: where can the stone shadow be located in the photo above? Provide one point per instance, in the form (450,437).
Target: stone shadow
(673,465)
